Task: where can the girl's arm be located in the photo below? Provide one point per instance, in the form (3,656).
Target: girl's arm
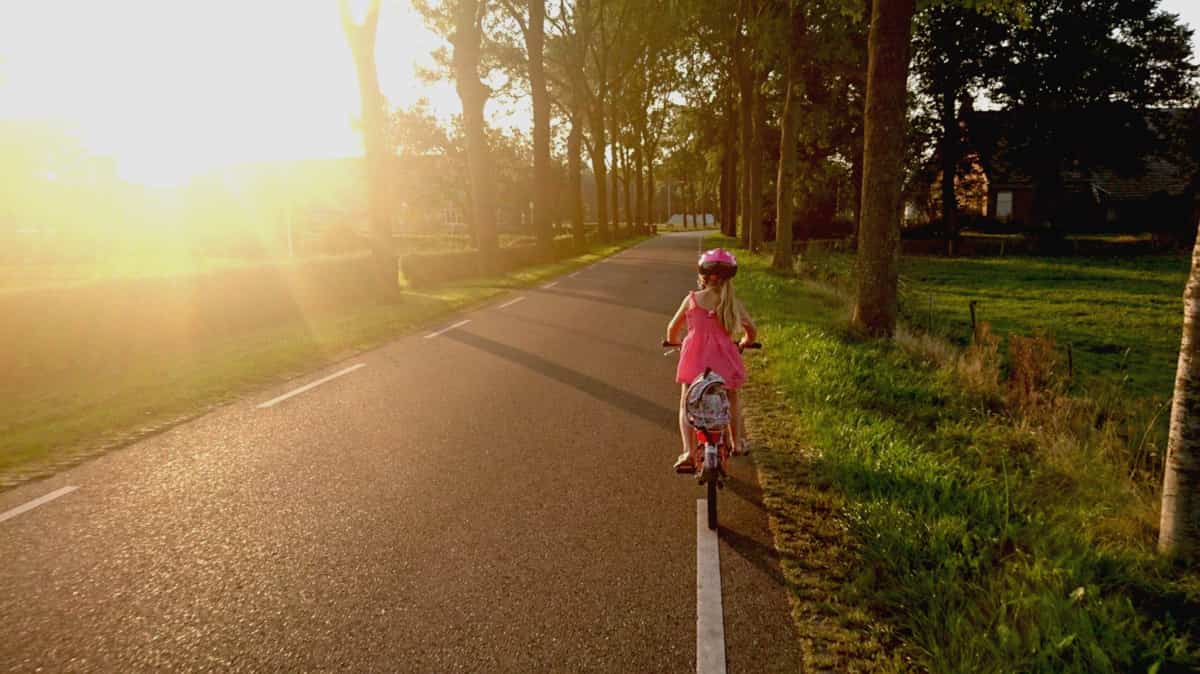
(676,323)
(751,335)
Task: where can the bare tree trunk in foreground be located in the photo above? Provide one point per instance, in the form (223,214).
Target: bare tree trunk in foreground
(1179,528)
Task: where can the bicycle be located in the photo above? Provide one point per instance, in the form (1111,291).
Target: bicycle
(713,445)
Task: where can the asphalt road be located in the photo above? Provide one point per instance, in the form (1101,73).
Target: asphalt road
(495,498)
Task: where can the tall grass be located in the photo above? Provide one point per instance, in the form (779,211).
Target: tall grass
(996,522)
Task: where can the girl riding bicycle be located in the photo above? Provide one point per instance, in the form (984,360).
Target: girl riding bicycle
(713,316)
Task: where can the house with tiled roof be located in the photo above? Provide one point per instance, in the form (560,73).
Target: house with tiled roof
(1106,190)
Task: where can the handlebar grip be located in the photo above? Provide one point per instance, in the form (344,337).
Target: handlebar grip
(667,344)
(753,345)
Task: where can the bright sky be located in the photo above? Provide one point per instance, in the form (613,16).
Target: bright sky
(1189,13)
(174,87)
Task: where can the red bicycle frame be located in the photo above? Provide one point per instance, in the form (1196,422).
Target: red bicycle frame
(700,454)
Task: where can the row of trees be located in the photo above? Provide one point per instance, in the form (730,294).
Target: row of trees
(782,103)
(802,107)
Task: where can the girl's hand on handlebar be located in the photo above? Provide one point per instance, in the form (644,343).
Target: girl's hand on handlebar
(743,345)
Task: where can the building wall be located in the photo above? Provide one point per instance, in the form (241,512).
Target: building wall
(1022,203)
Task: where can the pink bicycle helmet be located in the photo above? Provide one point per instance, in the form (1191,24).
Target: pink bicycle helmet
(718,262)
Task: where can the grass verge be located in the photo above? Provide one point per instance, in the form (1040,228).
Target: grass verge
(1121,315)
(946,529)
(100,397)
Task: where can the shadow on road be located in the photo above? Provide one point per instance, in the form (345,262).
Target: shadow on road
(664,310)
(745,489)
(761,555)
(630,402)
(640,350)
(658,263)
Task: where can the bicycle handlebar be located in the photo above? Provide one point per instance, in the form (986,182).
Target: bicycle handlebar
(751,345)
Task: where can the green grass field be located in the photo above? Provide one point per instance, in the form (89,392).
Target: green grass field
(85,368)
(166,261)
(1121,316)
(969,536)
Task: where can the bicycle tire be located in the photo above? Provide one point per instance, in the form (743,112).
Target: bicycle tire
(712,503)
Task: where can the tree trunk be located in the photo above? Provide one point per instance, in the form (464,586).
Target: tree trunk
(647,189)
(652,193)
(615,191)
(687,206)
(729,227)
(362,45)
(812,154)
(599,171)
(746,139)
(626,179)
(883,166)
(1179,527)
(723,190)
(856,184)
(788,124)
(466,42)
(543,180)
(615,172)
(640,194)
(759,106)
(574,167)
(949,156)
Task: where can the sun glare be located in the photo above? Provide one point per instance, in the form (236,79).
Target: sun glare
(173,89)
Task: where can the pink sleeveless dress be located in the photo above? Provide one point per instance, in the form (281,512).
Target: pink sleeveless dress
(708,345)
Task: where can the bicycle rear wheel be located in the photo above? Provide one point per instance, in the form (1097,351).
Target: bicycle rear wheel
(712,503)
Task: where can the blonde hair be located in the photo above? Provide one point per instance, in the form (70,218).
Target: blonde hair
(727,304)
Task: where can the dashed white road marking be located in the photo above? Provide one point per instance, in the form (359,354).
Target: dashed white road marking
(511,302)
(549,285)
(274,401)
(9,514)
(710,618)
(573,275)
(447,329)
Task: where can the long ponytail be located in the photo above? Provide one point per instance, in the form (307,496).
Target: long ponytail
(727,305)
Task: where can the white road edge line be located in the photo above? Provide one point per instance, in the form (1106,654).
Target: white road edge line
(36,502)
(272,402)
(447,329)
(573,275)
(511,302)
(549,285)
(710,618)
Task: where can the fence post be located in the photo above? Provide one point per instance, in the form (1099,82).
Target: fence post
(974,330)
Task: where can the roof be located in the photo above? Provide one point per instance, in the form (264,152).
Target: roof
(1098,158)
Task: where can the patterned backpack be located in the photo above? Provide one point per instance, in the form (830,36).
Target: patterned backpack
(707,407)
